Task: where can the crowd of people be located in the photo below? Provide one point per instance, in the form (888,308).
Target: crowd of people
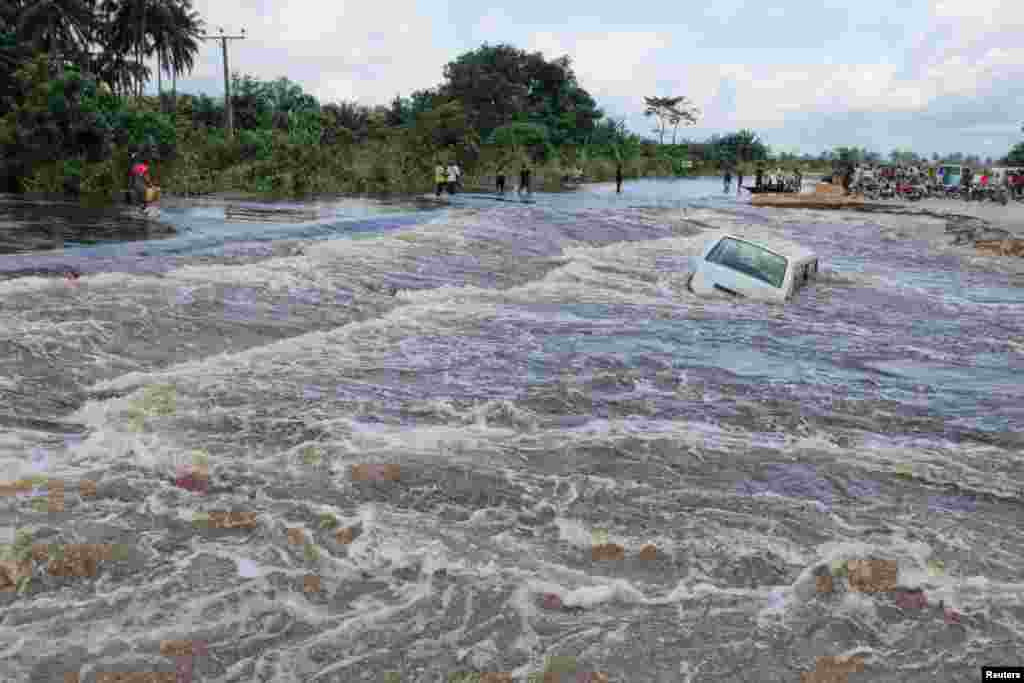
(931,177)
(447,177)
(778,180)
(879,178)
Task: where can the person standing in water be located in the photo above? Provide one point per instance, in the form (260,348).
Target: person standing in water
(524,180)
(727,179)
(453,177)
(618,178)
(500,177)
(739,179)
(759,177)
(440,177)
(140,179)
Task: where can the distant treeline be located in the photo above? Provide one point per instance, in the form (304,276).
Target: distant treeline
(72,73)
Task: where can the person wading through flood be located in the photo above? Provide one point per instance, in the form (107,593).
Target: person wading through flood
(524,180)
(727,179)
(499,177)
(140,179)
(440,177)
(739,179)
(759,177)
(453,177)
(618,178)
(847,178)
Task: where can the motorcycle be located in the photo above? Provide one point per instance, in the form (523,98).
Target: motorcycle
(867,188)
(909,192)
(997,194)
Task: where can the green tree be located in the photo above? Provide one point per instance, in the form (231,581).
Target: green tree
(501,84)
(127,36)
(1016,155)
(670,111)
(251,102)
(177,42)
(681,116)
(850,155)
(68,119)
(518,139)
(144,28)
(904,156)
(344,120)
(400,112)
(660,109)
(608,132)
(745,145)
(446,126)
(58,27)
(286,96)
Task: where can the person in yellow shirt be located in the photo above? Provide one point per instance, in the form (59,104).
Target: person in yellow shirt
(440,177)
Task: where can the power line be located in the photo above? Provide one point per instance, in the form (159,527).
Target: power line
(228,109)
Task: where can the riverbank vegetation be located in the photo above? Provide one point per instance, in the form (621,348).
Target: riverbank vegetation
(72,111)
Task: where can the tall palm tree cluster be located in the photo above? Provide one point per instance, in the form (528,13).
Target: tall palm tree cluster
(108,38)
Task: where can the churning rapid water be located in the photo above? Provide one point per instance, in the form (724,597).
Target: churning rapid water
(544,382)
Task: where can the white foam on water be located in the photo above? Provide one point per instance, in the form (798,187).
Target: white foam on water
(417,359)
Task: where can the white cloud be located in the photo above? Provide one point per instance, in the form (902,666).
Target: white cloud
(340,50)
(370,52)
(618,63)
(492,23)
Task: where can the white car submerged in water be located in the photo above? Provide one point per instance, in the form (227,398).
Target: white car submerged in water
(767,269)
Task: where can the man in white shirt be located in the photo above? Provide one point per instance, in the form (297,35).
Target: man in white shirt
(454,174)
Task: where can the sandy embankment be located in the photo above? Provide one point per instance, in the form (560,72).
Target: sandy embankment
(1009,217)
(984,233)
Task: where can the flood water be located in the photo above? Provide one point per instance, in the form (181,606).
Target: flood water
(544,381)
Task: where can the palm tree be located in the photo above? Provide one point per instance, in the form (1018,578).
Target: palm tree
(133,33)
(121,40)
(161,24)
(169,28)
(60,27)
(182,44)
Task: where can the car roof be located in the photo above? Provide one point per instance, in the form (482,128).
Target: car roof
(791,250)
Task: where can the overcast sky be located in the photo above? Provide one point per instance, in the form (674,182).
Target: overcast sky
(932,76)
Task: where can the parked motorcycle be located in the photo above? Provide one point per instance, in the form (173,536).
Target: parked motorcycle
(998,194)
(957,192)
(867,188)
(910,192)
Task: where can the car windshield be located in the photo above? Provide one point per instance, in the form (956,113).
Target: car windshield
(751,260)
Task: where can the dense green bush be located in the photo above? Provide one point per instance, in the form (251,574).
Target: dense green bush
(63,132)
(256,144)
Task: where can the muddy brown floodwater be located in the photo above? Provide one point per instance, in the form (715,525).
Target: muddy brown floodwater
(504,438)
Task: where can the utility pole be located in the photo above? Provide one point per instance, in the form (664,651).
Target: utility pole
(228,111)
